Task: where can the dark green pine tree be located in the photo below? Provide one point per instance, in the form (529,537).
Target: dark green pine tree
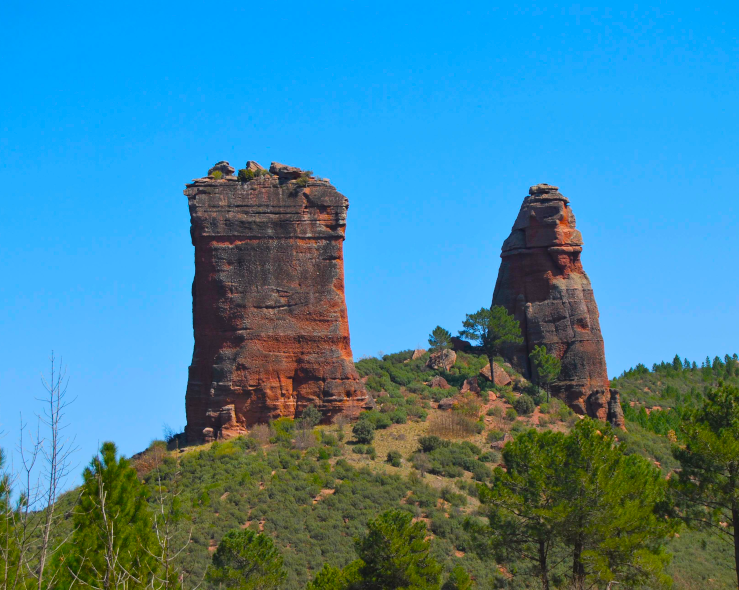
(524,505)
(579,495)
(707,486)
(333,578)
(546,367)
(395,555)
(11,570)
(113,544)
(612,523)
(246,560)
(493,329)
(440,339)
(677,363)
(458,579)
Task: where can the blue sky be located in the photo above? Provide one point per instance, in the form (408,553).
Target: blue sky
(432,119)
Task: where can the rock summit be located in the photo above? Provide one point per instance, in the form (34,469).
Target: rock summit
(269,315)
(541,282)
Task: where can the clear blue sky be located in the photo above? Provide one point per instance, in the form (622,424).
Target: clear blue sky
(431,118)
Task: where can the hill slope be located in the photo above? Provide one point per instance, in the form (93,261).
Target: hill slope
(313,490)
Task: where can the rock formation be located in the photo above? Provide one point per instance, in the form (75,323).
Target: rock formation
(442,359)
(542,283)
(269,315)
(501,377)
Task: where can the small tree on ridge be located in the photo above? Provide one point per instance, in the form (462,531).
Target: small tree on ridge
(440,339)
(493,329)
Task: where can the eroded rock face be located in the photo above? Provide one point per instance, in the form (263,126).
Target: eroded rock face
(269,315)
(542,283)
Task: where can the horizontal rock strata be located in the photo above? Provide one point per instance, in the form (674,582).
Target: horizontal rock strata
(269,315)
(541,282)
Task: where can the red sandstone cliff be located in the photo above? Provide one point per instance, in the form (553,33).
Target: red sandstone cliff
(541,282)
(269,315)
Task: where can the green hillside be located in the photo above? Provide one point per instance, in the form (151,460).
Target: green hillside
(315,500)
(313,488)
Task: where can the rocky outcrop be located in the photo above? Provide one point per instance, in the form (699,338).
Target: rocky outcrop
(470,385)
(501,377)
(439,382)
(442,360)
(541,282)
(269,315)
(447,403)
(460,345)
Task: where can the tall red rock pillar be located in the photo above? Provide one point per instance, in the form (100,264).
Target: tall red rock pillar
(269,315)
(542,283)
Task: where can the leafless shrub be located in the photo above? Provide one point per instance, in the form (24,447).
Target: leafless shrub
(451,425)
(149,459)
(341,420)
(304,439)
(44,467)
(422,463)
(260,433)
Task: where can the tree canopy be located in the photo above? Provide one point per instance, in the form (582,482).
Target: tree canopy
(439,339)
(493,329)
(707,486)
(577,499)
(113,544)
(546,367)
(245,560)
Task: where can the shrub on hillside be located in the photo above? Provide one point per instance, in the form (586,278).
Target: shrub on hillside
(377,419)
(524,405)
(364,432)
(394,458)
(494,435)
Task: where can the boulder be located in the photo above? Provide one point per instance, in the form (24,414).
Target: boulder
(223,167)
(460,345)
(253,166)
(541,282)
(501,377)
(443,359)
(269,313)
(447,403)
(285,172)
(439,382)
(470,385)
(418,353)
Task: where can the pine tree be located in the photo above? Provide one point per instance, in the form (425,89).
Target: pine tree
(707,486)
(113,545)
(677,363)
(459,579)
(612,525)
(333,578)
(493,329)
(440,339)
(10,559)
(546,367)
(395,555)
(579,493)
(523,504)
(245,560)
